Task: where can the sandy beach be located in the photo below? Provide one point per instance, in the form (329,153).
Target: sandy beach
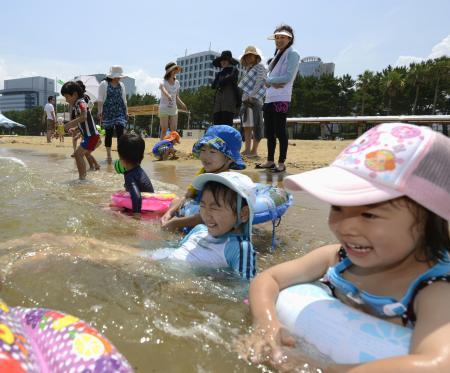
(303,155)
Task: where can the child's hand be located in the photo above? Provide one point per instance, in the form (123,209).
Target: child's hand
(263,345)
(166,217)
(172,224)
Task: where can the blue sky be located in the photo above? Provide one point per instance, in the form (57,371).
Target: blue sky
(63,39)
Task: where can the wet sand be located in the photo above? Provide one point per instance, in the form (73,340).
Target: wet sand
(303,155)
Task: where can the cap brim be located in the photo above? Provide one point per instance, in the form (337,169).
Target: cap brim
(340,187)
(200,181)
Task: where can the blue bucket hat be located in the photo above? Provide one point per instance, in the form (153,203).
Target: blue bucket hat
(226,140)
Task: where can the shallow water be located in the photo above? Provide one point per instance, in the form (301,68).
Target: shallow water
(162,317)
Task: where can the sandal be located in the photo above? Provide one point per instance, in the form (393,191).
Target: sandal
(261,166)
(277,170)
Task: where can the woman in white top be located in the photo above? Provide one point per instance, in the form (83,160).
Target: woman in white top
(279,82)
(170,88)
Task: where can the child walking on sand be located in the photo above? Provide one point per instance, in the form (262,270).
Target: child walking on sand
(131,152)
(165,149)
(390,204)
(83,120)
(219,151)
(60,129)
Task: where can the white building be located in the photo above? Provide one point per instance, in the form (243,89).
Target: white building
(198,70)
(26,93)
(313,66)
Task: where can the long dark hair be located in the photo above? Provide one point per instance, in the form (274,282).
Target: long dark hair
(272,62)
(435,230)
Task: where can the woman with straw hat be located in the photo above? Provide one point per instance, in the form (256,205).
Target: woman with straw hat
(253,91)
(168,110)
(112,106)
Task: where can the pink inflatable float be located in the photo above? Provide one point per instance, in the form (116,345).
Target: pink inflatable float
(42,340)
(154,202)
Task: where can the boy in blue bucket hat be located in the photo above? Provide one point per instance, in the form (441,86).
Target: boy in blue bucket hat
(219,151)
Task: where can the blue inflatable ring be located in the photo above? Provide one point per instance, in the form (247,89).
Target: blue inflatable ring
(271,203)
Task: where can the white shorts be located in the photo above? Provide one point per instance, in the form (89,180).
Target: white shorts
(249,122)
(165,112)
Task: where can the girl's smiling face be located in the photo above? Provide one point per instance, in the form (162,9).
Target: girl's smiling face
(214,160)
(381,235)
(216,215)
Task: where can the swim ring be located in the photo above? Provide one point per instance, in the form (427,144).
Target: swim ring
(119,167)
(155,202)
(271,203)
(47,341)
(345,334)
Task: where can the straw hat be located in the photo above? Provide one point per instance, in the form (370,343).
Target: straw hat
(172,66)
(251,50)
(116,72)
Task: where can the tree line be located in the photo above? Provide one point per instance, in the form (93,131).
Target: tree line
(419,89)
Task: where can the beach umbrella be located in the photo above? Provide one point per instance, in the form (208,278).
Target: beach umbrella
(91,83)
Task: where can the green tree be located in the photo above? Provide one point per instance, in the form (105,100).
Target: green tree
(363,83)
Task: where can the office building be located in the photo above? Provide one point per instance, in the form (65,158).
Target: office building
(313,66)
(26,93)
(198,70)
(129,83)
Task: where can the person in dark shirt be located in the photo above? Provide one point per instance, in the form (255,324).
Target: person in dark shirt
(131,152)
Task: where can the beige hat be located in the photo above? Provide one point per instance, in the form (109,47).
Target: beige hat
(250,50)
(116,72)
(172,66)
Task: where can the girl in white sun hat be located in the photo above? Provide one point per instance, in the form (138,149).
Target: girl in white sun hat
(390,204)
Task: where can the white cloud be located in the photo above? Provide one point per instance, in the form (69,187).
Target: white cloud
(407,60)
(440,49)
(145,83)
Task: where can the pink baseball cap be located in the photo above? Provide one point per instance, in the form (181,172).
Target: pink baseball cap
(389,161)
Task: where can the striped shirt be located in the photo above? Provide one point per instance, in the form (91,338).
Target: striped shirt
(86,128)
(252,83)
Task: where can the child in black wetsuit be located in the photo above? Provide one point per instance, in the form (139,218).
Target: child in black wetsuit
(131,152)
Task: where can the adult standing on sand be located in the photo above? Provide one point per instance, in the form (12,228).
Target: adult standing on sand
(168,110)
(227,98)
(282,72)
(112,106)
(50,118)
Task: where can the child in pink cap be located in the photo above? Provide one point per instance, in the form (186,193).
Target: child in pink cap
(390,205)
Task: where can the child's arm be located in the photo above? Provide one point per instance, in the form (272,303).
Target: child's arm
(73,123)
(136,198)
(177,223)
(164,92)
(174,206)
(263,294)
